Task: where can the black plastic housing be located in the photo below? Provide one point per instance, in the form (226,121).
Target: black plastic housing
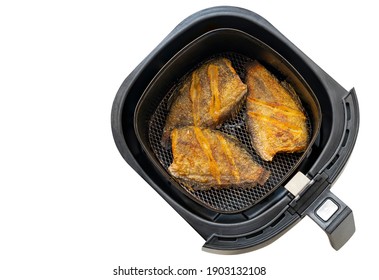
(266,221)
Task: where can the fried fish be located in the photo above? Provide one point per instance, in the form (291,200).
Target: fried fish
(205,158)
(208,96)
(275,116)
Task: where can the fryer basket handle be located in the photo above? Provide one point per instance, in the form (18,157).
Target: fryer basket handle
(334,217)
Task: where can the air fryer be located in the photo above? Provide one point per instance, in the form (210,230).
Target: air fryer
(234,219)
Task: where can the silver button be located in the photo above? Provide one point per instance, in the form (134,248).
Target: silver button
(327,209)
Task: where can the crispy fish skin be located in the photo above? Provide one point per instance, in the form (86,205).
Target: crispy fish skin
(275,116)
(208,96)
(205,158)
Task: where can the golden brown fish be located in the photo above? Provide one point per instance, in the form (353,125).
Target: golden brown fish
(205,158)
(208,96)
(275,117)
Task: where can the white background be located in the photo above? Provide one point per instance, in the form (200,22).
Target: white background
(71,207)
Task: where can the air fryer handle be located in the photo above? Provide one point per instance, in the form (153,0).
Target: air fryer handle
(334,217)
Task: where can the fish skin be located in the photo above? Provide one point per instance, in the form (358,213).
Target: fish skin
(208,96)
(275,117)
(206,158)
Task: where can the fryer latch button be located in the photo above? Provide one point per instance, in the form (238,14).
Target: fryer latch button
(327,209)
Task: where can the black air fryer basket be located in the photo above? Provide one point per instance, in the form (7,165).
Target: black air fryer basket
(239,219)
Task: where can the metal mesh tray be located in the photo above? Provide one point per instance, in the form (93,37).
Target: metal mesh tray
(232,199)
